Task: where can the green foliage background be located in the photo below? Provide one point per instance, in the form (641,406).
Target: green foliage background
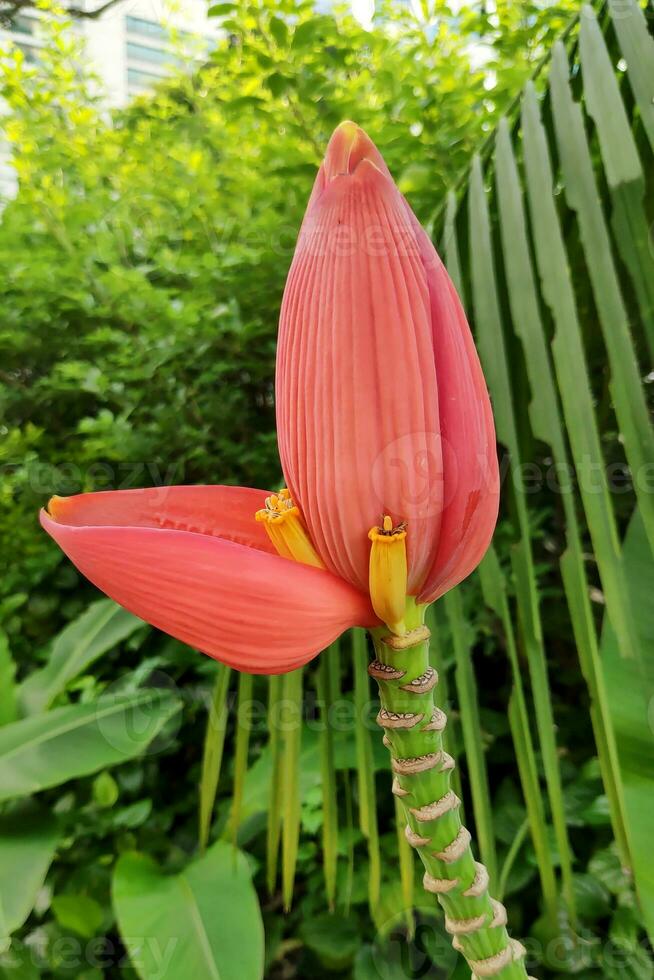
(143,266)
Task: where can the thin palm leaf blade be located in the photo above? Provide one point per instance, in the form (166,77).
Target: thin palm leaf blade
(630,686)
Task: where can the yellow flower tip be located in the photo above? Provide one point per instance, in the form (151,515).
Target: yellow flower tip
(388,573)
(348,130)
(387,533)
(283,522)
(55,506)
(346,148)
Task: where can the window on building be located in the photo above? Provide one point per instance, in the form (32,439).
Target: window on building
(147,28)
(21,25)
(141,79)
(141,52)
(28,51)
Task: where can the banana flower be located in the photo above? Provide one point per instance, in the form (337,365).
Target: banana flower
(387,448)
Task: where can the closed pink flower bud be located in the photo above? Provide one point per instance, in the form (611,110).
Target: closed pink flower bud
(382,407)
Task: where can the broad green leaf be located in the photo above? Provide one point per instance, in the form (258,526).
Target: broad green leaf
(201,923)
(630,686)
(102,626)
(77,740)
(28,840)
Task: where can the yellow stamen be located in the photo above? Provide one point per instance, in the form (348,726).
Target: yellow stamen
(286,529)
(388,574)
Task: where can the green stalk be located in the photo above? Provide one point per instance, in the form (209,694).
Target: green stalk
(290,780)
(325,683)
(365,770)
(274,828)
(413,725)
(243,729)
(466,688)
(212,755)
(511,856)
(451,735)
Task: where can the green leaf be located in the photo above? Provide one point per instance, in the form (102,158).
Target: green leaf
(133,815)
(494,356)
(572,370)
(333,938)
(637,46)
(630,687)
(79,913)
(305,33)
(17,963)
(28,840)
(582,194)
(201,923)
(102,626)
(49,749)
(624,173)
(105,790)
(593,898)
(277,83)
(220,9)
(606,867)
(279,30)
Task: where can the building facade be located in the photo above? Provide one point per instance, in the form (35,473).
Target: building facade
(130,47)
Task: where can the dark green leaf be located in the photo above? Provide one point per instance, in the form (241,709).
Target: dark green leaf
(28,840)
(205,920)
(49,749)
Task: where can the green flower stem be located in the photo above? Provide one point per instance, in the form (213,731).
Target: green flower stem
(413,725)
